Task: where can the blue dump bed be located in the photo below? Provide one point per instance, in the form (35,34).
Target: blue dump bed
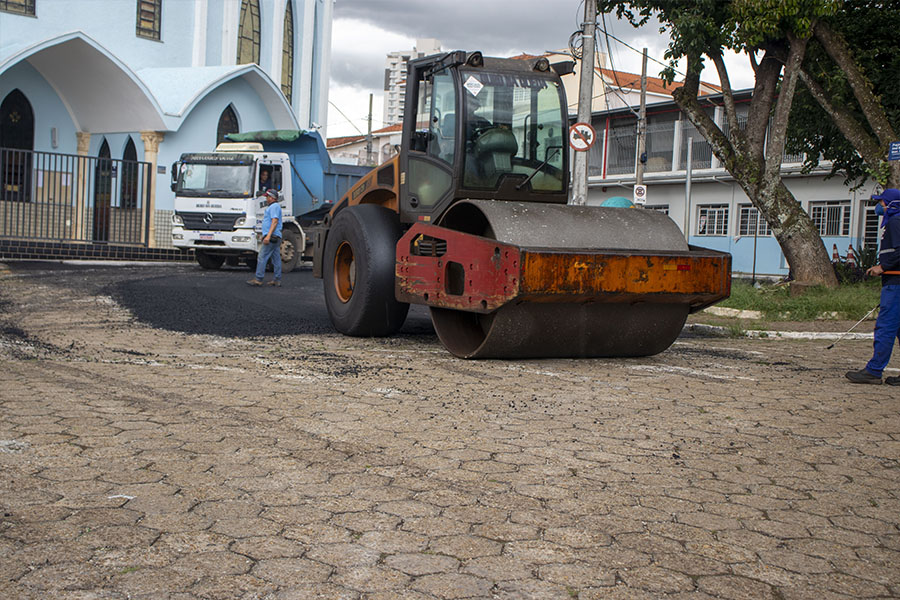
(317,183)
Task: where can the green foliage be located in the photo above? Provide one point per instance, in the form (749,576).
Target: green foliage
(775,302)
(762,21)
(870,29)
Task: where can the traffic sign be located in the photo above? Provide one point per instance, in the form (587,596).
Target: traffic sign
(894,151)
(640,194)
(581,136)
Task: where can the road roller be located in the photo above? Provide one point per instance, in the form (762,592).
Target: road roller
(471,218)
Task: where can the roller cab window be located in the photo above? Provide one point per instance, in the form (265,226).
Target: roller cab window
(513,127)
(433,143)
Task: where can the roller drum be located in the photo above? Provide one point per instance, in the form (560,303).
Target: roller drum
(545,330)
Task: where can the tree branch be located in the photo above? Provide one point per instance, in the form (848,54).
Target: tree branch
(728,95)
(778,129)
(767,73)
(856,134)
(837,49)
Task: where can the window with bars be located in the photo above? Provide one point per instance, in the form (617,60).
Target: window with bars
(663,208)
(870,227)
(248,33)
(149,18)
(832,217)
(287,53)
(19,7)
(712,219)
(751,222)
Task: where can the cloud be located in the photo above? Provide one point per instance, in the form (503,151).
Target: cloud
(365,31)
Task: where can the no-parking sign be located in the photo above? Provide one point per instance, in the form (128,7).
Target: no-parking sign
(640,194)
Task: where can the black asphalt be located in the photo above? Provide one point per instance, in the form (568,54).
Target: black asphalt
(185,298)
(221,303)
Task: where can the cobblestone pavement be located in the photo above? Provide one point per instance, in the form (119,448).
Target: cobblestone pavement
(141,463)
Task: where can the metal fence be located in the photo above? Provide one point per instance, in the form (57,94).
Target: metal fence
(66,197)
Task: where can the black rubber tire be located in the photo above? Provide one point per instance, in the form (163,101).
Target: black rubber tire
(251,263)
(210,262)
(371,310)
(290,250)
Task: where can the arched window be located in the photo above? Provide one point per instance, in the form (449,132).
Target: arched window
(102,193)
(228,123)
(16,144)
(287,53)
(129,186)
(248,33)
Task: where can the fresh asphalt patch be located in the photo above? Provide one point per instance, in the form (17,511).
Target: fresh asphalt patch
(221,303)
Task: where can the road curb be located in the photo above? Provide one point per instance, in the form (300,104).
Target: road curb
(698,329)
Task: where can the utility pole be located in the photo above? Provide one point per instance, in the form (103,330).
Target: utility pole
(642,127)
(585,100)
(369,161)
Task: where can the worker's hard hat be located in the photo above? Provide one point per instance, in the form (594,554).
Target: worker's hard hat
(889,195)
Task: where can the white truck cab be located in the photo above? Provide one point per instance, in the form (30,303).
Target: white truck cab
(219,204)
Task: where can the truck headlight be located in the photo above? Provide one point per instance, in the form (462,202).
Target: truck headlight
(176,220)
(177,236)
(240,221)
(240,239)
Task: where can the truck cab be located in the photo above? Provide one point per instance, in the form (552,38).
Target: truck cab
(219,204)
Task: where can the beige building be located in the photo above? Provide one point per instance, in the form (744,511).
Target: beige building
(355,150)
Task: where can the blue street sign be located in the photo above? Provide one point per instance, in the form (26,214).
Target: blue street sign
(894,151)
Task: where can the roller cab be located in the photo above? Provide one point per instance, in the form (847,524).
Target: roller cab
(471,220)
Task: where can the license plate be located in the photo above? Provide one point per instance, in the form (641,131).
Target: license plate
(206,236)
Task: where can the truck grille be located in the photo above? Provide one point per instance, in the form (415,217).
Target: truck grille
(208,221)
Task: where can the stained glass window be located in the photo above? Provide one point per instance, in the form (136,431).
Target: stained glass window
(287,53)
(228,123)
(248,33)
(149,18)
(21,7)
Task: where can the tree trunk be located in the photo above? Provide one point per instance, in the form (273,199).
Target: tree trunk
(745,160)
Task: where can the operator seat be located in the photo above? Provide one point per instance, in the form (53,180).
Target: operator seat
(494,150)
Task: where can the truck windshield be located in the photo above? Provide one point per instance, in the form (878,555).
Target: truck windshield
(219,180)
(513,126)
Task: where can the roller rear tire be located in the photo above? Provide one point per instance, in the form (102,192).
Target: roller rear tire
(358,272)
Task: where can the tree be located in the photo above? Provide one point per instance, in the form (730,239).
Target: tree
(848,109)
(779,31)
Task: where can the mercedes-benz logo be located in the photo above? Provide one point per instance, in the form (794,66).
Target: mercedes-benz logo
(208,218)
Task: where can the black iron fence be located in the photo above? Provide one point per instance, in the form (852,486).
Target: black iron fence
(66,197)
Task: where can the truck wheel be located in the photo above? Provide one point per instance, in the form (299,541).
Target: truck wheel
(251,263)
(290,250)
(208,261)
(359,272)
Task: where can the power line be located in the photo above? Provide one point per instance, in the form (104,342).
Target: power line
(345,117)
(630,47)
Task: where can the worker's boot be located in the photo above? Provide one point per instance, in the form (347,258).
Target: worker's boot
(863,376)
(892,380)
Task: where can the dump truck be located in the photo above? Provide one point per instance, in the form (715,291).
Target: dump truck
(218,195)
(471,219)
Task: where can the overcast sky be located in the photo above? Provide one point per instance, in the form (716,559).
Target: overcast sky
(365,31)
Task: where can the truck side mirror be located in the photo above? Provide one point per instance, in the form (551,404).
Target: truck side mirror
(174,176)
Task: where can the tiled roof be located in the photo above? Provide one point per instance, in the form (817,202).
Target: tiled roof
(336,142)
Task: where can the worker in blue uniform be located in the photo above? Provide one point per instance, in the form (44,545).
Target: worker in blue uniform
(887,326)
